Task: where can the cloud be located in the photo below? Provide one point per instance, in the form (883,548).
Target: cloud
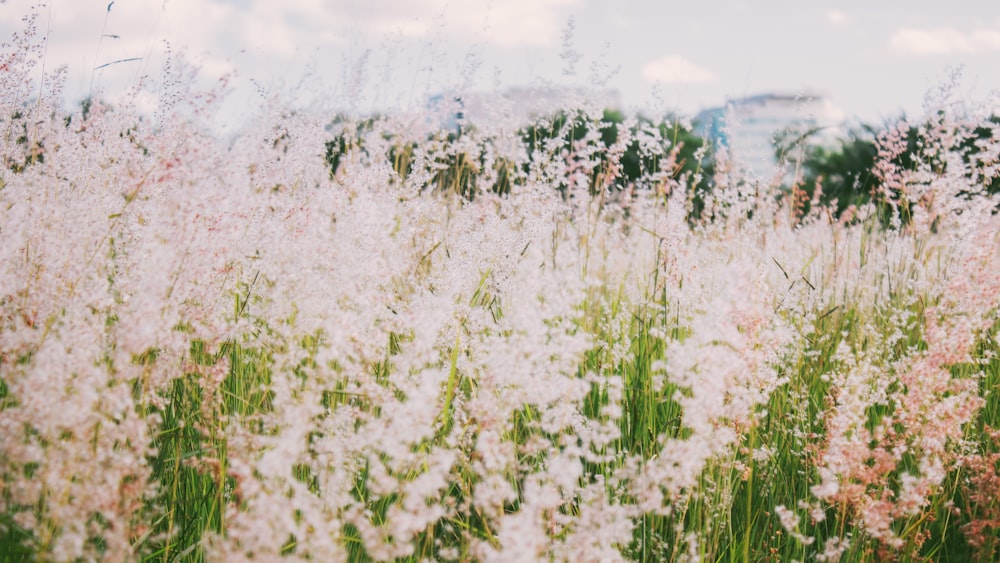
(945,40)
(836,17)
(507,23)
(675,69)
(283,29)
(270,42)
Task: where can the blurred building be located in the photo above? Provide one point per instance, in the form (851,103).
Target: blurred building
(514,107)
(767,134)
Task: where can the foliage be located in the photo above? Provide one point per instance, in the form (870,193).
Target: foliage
(847,175)
(612,153)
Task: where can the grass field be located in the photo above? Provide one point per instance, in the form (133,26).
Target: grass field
(230,350)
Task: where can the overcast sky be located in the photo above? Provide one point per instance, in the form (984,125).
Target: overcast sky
(872,58)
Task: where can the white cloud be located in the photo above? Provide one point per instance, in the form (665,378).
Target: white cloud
(836,17)
(282,29)
(945,41)
(272,43)
(507,23)
(675,69)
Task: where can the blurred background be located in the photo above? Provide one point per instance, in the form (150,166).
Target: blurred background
(870,60)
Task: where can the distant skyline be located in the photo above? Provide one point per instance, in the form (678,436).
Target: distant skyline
(871,59)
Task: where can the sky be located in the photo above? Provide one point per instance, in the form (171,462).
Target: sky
(874,59)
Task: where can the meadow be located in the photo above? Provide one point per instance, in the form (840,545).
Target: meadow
(382,340)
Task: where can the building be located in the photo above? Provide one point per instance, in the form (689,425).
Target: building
(515,107)
(767,134)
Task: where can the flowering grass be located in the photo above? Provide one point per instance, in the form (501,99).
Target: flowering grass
(229,350)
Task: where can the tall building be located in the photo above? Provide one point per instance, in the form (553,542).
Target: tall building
(768,133)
